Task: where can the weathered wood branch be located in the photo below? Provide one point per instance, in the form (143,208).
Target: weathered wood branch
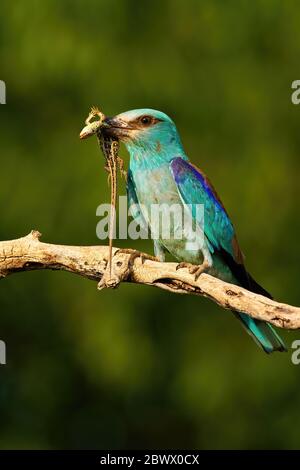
(28,253)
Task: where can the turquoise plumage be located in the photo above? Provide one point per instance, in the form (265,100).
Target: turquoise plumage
(160,173)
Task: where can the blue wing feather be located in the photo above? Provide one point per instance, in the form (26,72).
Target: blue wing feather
(195,188)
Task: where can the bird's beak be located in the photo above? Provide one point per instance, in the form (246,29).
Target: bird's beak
(116,127)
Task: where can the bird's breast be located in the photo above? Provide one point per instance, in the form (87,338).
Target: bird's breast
(156,186)
(162,208)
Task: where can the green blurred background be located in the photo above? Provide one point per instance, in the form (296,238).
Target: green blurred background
(139,367)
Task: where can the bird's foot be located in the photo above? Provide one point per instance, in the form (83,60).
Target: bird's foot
(134,254)
(195,269)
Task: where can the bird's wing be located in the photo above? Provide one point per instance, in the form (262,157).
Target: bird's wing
(195,188)
(133,203)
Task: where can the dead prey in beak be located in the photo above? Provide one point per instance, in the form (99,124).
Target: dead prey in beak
(109,143)
(110,148)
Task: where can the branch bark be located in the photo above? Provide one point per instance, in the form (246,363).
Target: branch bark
(28,253)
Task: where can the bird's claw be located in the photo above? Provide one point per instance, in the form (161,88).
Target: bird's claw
(134,254)
(196,269)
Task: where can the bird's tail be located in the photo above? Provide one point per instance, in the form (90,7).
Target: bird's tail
(262,333)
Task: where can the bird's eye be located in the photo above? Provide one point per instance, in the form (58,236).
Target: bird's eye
(146,120)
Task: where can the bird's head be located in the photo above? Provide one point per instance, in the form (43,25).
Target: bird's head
(145,132)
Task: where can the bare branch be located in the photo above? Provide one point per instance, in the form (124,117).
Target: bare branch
(28,253)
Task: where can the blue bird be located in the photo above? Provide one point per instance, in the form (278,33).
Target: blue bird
(160,173)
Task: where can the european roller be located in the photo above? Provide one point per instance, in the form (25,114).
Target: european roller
(160,173)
